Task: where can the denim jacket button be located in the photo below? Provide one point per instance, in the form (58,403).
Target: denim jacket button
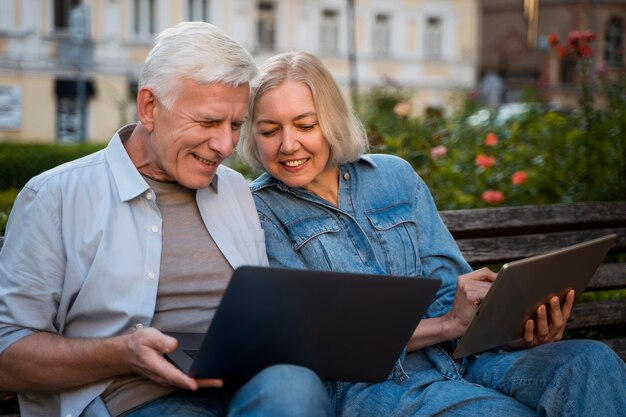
(346,176)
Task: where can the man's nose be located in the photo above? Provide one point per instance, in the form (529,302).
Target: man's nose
(225,140)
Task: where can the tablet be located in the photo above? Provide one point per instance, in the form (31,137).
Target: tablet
(521,286)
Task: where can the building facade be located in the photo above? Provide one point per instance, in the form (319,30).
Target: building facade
(69,68)
(515,42)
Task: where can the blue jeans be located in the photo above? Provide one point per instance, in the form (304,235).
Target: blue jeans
(280,390)
(575,378)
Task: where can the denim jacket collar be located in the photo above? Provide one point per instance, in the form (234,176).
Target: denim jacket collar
(265,180)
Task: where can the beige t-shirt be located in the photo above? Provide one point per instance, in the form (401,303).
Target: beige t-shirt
(192,279)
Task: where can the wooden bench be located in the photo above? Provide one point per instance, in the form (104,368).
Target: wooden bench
(493,236)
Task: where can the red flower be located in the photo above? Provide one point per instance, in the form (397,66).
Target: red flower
(492,197)
(561,51)
(585,51)
(491,139)
(519,177)
(553,39)
(485,161)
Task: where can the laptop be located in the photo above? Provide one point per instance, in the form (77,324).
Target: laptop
(343,326)
(521,286)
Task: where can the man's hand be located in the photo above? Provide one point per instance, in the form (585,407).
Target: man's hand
(146,348)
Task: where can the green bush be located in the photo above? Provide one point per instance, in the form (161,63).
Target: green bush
(7,197)
(21,162)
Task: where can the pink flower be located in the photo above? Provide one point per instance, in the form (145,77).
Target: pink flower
(492,197)
(438,151)
(519,177)
(485,161)
(491,139)
(402,109)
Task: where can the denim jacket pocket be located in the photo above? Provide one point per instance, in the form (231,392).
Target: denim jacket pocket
(306,229)
(315,239)
(396,229)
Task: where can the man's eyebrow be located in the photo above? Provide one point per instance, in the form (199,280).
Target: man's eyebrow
(298,117)
(219,119)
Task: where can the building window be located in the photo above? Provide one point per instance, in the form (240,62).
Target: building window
(381,36)
(432,38)
(329,33)
(266,26)
(69,116)
(7,14)
(143,18)
(68,120)
(567,72)
(614,42)
(198,10)
(62,10)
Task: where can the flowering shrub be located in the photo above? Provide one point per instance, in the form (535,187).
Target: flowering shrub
(539,158)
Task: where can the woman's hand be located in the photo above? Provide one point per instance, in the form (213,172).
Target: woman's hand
(470,291)
(541,331)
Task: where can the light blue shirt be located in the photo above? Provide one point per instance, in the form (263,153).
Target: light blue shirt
(82,252)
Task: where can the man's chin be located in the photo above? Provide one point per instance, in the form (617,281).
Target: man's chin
(196,183)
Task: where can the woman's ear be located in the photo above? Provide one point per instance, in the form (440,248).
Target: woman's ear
(146,106)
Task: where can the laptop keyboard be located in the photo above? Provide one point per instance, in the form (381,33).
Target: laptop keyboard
(191,352)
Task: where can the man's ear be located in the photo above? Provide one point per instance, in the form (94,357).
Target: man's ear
(146,106)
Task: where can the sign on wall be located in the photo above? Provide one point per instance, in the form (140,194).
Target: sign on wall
(10,107)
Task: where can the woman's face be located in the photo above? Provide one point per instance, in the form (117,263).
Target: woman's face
(289,139)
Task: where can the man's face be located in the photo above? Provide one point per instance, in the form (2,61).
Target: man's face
(189,141)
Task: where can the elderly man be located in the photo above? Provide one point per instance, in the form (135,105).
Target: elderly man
(105,254)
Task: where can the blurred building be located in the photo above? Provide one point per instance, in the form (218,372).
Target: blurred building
(515,43)
(69,68)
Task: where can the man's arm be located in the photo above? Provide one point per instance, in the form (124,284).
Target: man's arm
(48,362)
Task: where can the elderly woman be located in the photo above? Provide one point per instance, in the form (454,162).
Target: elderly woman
(326,205)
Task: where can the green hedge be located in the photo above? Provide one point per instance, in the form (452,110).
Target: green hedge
(21,162)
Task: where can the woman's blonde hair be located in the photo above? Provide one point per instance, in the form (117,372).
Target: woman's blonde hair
(339,125)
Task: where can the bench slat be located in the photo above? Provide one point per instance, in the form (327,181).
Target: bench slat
(597,313)
(608,277)
(506,248)
(506,221)
(618,345)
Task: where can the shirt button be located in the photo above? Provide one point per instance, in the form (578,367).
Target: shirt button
(151,275)
(155,229)
(346,176)
(149,195)
(138,326)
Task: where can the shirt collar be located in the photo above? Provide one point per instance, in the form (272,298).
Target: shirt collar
(128,180)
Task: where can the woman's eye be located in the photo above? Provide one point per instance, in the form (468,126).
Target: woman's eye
(307,127)
(268,133)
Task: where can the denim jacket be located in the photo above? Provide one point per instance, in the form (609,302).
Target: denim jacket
(386,223)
